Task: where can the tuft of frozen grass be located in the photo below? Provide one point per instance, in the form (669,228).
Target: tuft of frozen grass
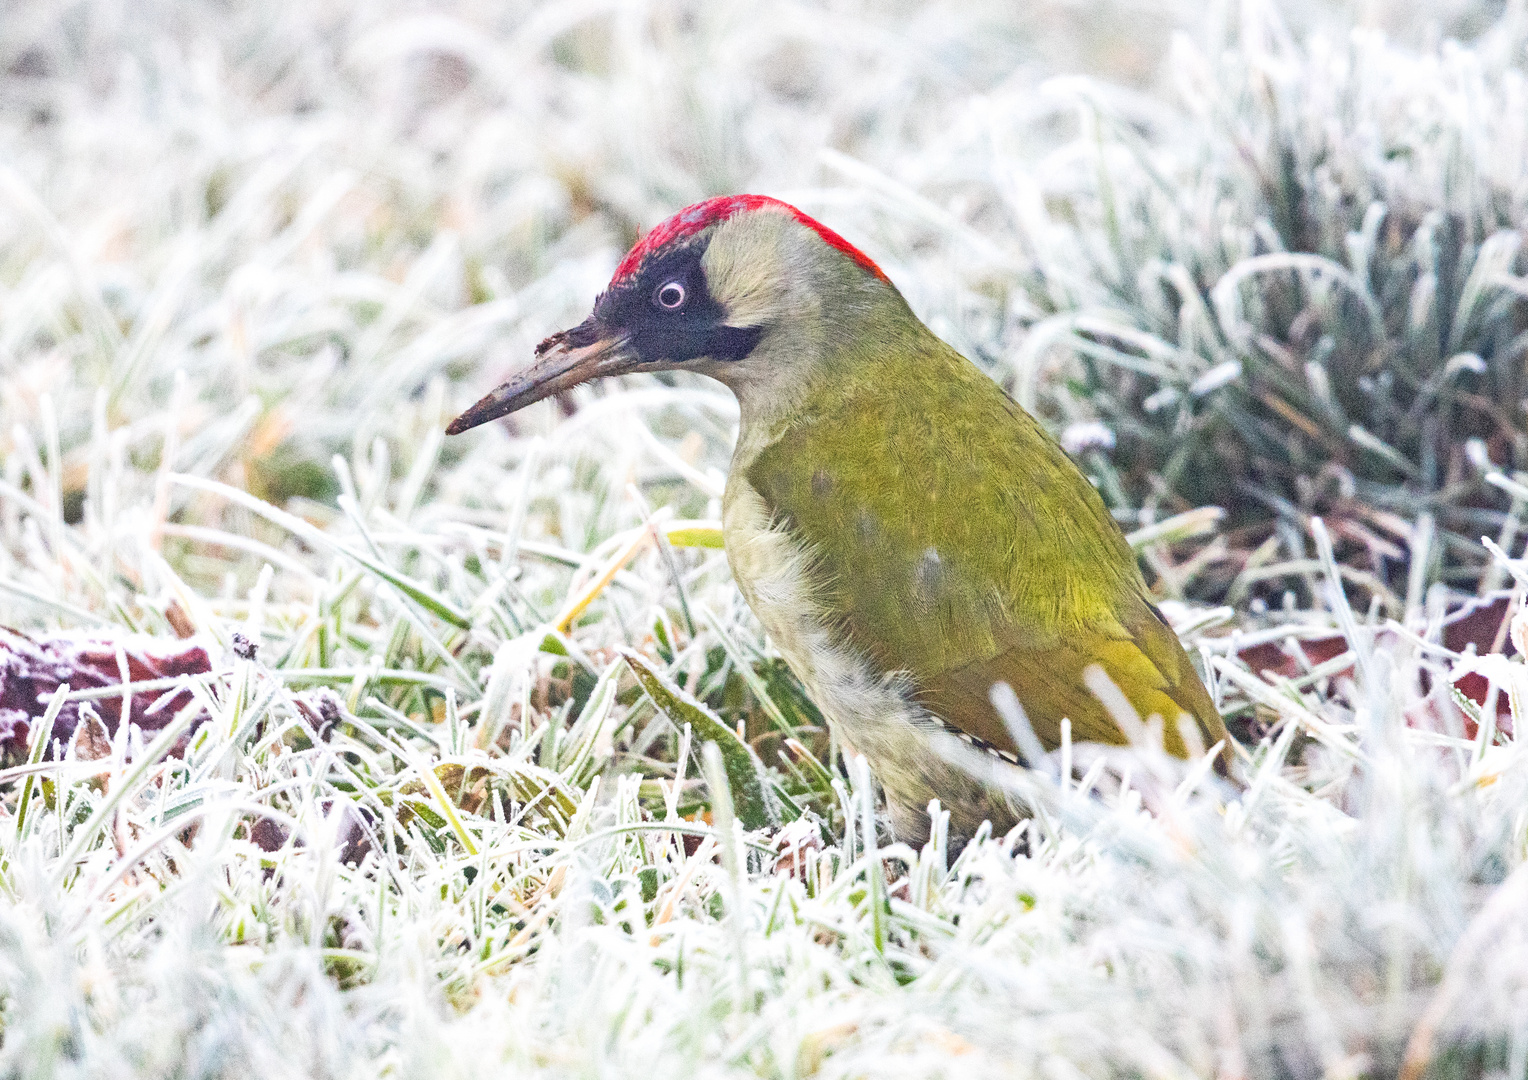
(1300,291)
(253,258)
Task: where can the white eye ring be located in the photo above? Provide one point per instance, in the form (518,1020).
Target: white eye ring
(670,295)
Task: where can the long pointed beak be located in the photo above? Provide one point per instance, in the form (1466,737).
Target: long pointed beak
(561,364)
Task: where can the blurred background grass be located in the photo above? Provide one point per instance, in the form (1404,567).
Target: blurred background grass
(1258,260)
(315,211)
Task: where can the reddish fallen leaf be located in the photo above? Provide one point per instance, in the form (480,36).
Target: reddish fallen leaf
(1274,657)
(31,669)
(351,832)
(1482,623)
(267,834)
(1479,622)
(91,741)
(792,843)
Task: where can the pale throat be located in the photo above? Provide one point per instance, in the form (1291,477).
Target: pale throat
(772,386)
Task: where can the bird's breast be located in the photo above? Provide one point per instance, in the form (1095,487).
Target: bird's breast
(774,571)
(914,758)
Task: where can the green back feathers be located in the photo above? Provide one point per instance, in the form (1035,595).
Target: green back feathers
(954,540)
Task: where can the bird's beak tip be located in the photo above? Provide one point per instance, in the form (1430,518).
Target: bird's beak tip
(557,367)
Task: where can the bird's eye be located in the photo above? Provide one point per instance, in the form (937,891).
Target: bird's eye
(670,296)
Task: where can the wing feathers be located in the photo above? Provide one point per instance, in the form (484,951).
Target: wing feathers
(972,551)
(1148,665)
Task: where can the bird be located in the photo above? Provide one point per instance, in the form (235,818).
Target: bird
(908,536)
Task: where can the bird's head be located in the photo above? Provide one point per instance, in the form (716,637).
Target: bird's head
(744,288)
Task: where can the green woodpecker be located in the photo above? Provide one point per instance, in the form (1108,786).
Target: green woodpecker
(907,534)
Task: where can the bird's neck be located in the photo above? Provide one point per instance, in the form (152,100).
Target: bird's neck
(808,369)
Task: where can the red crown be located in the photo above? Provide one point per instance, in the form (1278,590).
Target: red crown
(692,219)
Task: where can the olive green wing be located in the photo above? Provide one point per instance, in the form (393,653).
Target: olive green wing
(1142,656)
(954,541)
